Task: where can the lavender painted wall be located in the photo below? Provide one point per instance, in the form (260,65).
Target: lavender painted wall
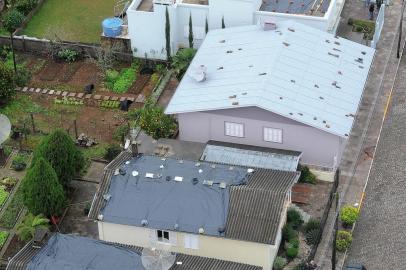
(318,147)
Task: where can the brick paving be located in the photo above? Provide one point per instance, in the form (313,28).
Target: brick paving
(379,235)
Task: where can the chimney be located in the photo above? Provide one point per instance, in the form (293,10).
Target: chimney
(134,148)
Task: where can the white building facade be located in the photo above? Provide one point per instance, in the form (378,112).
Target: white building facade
(147,20)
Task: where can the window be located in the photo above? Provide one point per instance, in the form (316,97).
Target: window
(234,129)
(162,236)
(273,135)
(191,241)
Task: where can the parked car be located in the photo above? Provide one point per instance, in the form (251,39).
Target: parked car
(355,266)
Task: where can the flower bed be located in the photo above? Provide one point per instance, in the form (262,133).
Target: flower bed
(10,215)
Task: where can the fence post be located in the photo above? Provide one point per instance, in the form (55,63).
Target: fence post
(32,123)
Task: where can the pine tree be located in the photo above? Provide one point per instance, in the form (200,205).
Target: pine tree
(60,151)
(223,24)
(168,34)
(207,26)
(190,31)
(42,192)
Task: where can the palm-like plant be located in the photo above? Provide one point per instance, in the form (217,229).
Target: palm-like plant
(26,229)
(182,60)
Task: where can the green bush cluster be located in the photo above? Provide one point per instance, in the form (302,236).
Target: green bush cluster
(68,55)
(110,78)
(294,218)
(306,176)
(69,101)
(23,75)
(3,238)
(155,78)
(279,263)
(290,235)
(9,217)
(343,241)
(3,195)
(312,231)
(110,104)
(121,132)
(125,80)
(25,6)
(19,162)
(348,215)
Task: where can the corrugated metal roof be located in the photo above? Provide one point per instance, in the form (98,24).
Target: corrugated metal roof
(296,71)
(236,155)
(24,257)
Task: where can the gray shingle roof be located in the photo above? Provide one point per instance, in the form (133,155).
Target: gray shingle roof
(254,211)
(22,259)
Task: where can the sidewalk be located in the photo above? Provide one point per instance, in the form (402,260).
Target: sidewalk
(358,155)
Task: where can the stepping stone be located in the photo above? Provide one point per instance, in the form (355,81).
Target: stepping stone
(25,89)
(64,94)
(44,91)
(131,99)
(122,99)
(18,88)
(72,95)
(88,96)
(32,89)
(140,98)
(80,95)
(97,97)
(37,90)
(114,98)
(51,92)
(58,93)
(106,97)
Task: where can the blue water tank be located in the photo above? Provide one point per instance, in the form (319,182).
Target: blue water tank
(112,27)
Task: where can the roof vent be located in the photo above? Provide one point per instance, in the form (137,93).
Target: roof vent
(181,161)
(231,168)
(168,178)
(107,197)
(291,29)
(233,96)
(117,172)
(178,263)
(176,226)
(149,175)
(221,229)
(201,230)
(162,166)
(122,171)
(235,103)
(223,185)
(200,170)
(144,222)
(208,183)
(213,166)
(198,73)
(100,217)
(195,181)
(178,178)
(135,173)
(127,162)
(269,25)
(250,170)
(197,164)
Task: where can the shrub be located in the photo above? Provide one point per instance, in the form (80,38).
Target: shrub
(182,60)
(294,218)
(306,176)
(121,132)
(160,69)
(26,229)
(359,28)
(8,182)
(7,86)
(312,224)
(43,194)
(23,76)
(60,151)
(112,151)
(19,162)
(292,252)
(344,240)
(294,242)
(279,263)
(348,215)
(350,21)
(312,236)
(155,78)
(68,55)
(3,238)
(110,78)
(288,233)
(13,20)
(25,6)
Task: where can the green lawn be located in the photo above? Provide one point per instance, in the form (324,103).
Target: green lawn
(71,20)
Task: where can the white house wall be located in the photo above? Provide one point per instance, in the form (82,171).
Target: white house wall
(208,246)
(319,148)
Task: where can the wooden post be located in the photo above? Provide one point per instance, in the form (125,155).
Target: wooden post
(76,129)
(32,122)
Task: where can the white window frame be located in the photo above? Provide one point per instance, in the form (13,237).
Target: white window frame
(191,241)
(233,129)
(274,135)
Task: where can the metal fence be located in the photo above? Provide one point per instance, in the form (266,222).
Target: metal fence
(380,19)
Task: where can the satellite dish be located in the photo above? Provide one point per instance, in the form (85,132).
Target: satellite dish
(198,73)
(154,259)
(5,128)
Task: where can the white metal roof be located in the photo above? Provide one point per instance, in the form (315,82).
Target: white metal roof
(295,71)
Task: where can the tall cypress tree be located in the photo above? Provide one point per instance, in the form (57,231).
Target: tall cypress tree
(42,193)
(190,31)
(207,26)
(168,34)
(223,24)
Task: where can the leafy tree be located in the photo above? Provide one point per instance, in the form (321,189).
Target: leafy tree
(223,24)
(42,193)
(167,34)
(11,22)
(190,31)
(7,85)
(155,122)
(26,229)
(206,26)
(182,60)
(60,151)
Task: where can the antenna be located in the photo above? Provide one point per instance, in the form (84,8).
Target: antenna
(154,259)
(5,128)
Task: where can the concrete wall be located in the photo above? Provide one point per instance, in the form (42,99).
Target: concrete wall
(208,246)
(319,147)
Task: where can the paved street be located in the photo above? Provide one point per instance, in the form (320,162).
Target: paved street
(380,235)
